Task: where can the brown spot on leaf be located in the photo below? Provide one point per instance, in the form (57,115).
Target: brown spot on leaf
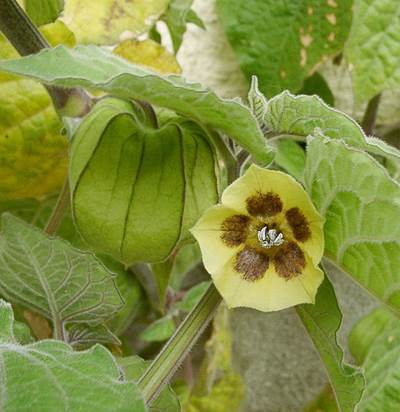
(234,230)
(303,57)
(306,39)
(331,18)
(264,204)
(251,264)
(331,3)
(331,36)
(310,11)
(289,261)
(299,224)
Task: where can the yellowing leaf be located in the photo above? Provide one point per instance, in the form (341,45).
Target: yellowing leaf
(33,153)
(150,54)
(102,22)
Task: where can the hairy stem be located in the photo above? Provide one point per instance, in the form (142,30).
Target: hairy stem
(58,211)
(369,119)
(26,38)
(175,350)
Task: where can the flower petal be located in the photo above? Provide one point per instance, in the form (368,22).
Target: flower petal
(259,181)
(269,293)
(210,232)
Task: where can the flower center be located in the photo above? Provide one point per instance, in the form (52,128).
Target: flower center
(269,238)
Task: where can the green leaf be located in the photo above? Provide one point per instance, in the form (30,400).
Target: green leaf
(316,84)
(291,157)
(187,258)
(138,218)
(325,402)
(361,205)
(282,41)
(176,18)
(49,376)
(37,213)
(374,47)
(53,279)
(90,66)
(161,274)
(83,336)
(297,117)
(103,22)
(160,330)
(132,295)
(376,341)
(133,367)
(192,296)
(43,11)
(322,322)
(367,331)
(33,152)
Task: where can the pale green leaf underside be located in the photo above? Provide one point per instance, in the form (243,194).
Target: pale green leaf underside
(52,278)
(381,360)
(300,116)
(322,322)
(361,205)
(91,66)
(282,41)
(373,49)
(49,376)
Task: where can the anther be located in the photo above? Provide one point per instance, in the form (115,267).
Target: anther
(269,238)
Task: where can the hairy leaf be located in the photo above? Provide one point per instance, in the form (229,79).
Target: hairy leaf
(282,41)
(376,341)
(83,336)
(374,47)
(52,278)
(133,367)
(49,376)
(33,153)
(300,116)
(322,322)
(91,66)
(43,11)
(150,54)
(367,330)
(361,205)
(102,22)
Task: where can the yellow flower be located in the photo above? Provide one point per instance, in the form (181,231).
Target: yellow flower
(262,245)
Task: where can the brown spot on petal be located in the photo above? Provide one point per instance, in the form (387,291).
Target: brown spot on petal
(289,261)
(251,264)
(299,224)
(234,230)
(264,204)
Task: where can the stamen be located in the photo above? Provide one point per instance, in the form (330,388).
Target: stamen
(269,238)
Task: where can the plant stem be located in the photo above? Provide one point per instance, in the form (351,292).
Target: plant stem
(175,350)
(26,38)
(59,209)
(369,119)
